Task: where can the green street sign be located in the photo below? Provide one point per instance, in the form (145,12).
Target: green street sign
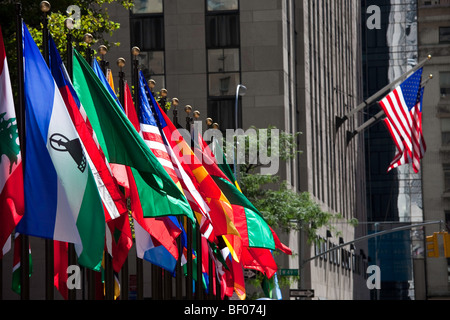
(288,272)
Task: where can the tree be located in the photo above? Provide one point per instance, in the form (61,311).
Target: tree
(90,16)
(281,206)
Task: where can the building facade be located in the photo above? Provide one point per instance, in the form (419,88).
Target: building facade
(394,198)
(301,64)
(434,39)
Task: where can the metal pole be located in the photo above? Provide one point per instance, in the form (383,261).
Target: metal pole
(49,254)
(178,283)
(72,257)
(20,112)
(376,117)
(376,234)
(368,101)
(199,286)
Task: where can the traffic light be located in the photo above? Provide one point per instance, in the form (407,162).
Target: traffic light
(447,245)
(432,246)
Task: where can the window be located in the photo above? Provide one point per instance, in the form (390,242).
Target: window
(444,35)
(222,30)
(445,131)
(444,83)
(216,5)
(147,33)
(446,167)
(223,65)
(147,6)
(223,112)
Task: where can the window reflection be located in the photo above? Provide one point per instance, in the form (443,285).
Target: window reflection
(147,6)
(215,5)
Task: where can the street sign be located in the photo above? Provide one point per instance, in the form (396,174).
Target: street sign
(288,272)
(302,293)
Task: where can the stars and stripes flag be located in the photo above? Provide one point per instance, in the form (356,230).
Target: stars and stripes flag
(403,109)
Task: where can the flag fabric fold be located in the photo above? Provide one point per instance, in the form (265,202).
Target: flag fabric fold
(206,197)
(11,171)
(123,145)
(403,109)
(113,200)
(61,197)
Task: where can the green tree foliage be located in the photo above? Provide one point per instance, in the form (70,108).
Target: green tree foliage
(281,206)
(93,19)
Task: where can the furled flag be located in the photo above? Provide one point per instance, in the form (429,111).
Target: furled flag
(403,109)
(61,197)
(220,214)
(11,174)
(122,144)
(112,198)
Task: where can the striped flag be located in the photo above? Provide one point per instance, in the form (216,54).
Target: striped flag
(113,200)
(403,109)
(204,196)
(11,174)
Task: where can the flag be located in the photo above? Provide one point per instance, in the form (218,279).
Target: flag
(123,145)
(403,109)
(11,174)
(253,229)
(200,187)
(61,197)
(15,285)
(112,198)
(60,265)
(155,237)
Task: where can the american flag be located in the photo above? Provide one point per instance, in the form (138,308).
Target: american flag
(403,109)
(155,138)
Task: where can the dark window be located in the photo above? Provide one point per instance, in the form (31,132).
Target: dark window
(444,35)
(444,83)
(222,30)
(147,32)
(223,112)
(446,167)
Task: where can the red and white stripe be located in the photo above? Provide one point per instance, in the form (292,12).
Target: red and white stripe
(407,152)
(165,155)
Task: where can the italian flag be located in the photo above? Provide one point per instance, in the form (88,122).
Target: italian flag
(11,175)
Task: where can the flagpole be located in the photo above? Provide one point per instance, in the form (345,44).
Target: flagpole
(139,262)
(178,273)
(371,99)
(49,247)
(109,273)
(69,24)
(375,118)
(189,231)
(24,250)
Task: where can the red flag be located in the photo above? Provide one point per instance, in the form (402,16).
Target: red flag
(60,265)
(12,205)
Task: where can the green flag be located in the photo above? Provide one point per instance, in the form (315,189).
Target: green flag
(121,143)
